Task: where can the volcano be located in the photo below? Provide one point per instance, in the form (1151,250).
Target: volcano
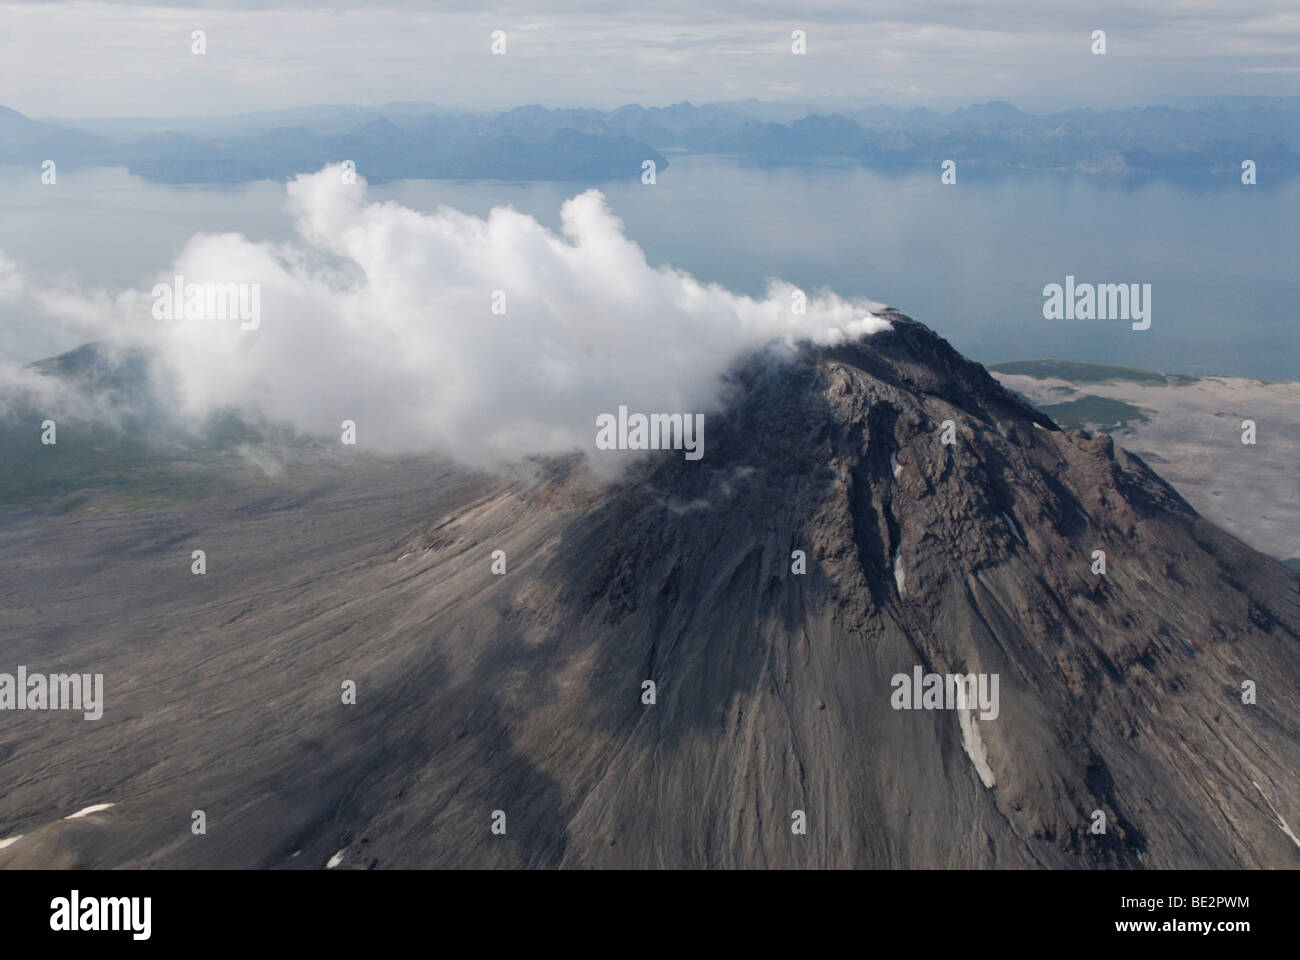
(400,663)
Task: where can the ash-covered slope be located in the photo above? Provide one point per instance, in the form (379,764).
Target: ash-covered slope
(1119,692)
(523,693)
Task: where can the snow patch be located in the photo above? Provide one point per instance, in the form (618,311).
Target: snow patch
(1281,824)
(87,811)
(9,841)
(893,465)
(971,740)
(335,860)
(1012,524)
(899,574)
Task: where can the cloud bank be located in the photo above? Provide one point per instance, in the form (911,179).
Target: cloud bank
(263,54)
(383,315)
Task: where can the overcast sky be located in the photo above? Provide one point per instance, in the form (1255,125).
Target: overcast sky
(83,59)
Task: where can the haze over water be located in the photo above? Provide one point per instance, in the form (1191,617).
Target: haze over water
(969,260)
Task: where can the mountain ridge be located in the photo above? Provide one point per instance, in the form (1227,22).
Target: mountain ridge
(423,141)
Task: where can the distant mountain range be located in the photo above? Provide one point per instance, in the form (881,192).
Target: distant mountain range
(412,140)
(423,147)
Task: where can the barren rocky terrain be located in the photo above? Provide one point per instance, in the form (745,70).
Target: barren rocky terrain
(522,692)
(1190,430)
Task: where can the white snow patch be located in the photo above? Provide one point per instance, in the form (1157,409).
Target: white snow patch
(9,841)
(1040,426)
(1280,822)
(87,811)
(1012,524)
(899,574)
(335,860)
(893,463)
(971,740)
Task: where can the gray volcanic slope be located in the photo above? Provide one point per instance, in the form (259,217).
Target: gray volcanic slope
(522,692)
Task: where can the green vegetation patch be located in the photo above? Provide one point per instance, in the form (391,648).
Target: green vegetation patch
(1081,372)
(1091,411)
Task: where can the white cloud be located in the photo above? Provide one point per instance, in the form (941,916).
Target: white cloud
(945,53)
(382,315)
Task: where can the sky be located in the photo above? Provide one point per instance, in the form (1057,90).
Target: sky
(76,60)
